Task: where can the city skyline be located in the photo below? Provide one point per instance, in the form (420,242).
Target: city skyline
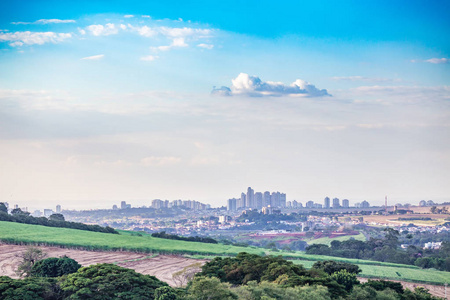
(106,102)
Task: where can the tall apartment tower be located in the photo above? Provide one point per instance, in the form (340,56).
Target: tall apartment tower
(251,198)
(258,200)
(345,203)
(123,205)
(336,203)
(58,209)
(231,204)
(243,200)
(326,202)
(266,199)
(283,200)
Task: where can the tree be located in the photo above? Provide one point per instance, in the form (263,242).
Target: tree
(18,211)
(28,289)
(3,207)
(331,267)
(56,217)
(28,259)
(165,293)
(347,279)
(204,288)
(108,281)
(55,267)
(181,278)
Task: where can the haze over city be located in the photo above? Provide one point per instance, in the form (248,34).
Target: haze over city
(106,102)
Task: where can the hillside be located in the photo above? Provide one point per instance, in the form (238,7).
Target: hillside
(16,233)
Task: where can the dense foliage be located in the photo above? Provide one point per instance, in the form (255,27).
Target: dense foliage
(55,267)
(386,250)
(55,220)
(199,239)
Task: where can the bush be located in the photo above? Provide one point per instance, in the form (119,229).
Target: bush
(55,267)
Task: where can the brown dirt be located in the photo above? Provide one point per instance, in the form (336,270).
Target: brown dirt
(161,266)
(435,290)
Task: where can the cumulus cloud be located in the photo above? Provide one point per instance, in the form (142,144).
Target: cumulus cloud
(253,86)
(128,16)
(94,57)
(45,21)
(99,30)
(206,46)
(184,32)
(21,38)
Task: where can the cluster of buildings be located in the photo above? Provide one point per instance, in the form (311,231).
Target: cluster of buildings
(260,200)
(47,212)
(157,204)
(257,200)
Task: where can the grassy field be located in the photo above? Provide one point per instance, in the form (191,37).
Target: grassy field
(327,240)
(34,234)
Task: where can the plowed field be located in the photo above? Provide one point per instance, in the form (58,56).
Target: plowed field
(161,266)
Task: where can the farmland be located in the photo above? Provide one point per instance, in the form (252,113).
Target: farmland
(16,233)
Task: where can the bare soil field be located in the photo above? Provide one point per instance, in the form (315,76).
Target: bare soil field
(436,219)
(436,290)
(161,266)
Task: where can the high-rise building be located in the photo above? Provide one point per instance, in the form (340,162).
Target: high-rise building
(282,200)
(258,199)
(243,200)
(250,198)
(310,204)
(336,203)
(294,204)
(326,202)
(123,205)
(58,209)
(266,198)
(345,203)
(232,204)
(275,199)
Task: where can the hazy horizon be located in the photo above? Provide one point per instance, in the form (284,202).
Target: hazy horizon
(107,102)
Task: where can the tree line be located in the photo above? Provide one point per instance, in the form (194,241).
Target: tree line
(199,239)
(386,250)
(55,220)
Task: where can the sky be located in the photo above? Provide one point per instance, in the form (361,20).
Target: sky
(109,101)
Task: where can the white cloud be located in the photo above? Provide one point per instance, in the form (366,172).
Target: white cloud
(253,86)
(94,57)
(128,16)
(160,160)
(21,38)
(99,30)
(184,32)
(438,60)
(176,43)
(123,27)
(206,46)
(145,16)
(45,21)
(149,58)
(433,60)
(145,31)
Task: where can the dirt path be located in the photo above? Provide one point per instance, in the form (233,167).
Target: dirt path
(161,266)
(435,290)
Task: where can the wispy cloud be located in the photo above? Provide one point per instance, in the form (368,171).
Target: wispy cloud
(94,57)
(253,86)
(128,16)
(433,60)
(149,58)
(160,160)
(45,21)
(21,38)
(205,46)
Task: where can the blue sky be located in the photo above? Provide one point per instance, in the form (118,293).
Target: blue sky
(105,101)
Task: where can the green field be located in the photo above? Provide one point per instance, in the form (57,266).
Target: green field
(327,241)
(34,234)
